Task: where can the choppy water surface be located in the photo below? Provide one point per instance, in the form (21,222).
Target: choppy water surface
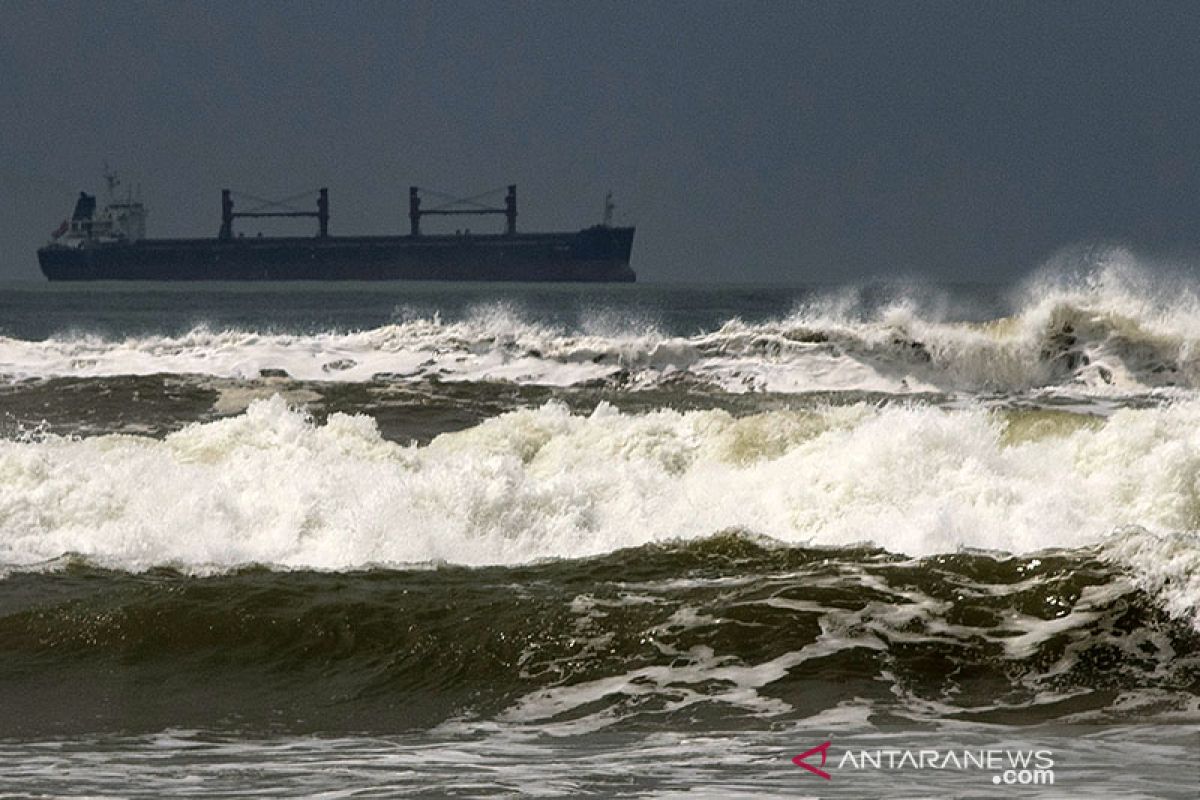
(643,541)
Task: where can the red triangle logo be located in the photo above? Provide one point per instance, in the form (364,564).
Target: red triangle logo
(823,749)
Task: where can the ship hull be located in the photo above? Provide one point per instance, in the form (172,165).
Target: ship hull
(597,254)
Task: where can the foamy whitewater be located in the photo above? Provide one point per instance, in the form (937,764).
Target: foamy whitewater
(272,487)
(1114,333)
(613,540)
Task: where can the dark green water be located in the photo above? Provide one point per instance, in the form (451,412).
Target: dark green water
(558,541)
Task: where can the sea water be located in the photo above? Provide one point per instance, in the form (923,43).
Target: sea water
(359,540)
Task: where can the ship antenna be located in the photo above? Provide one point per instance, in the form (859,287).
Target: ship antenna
(113,181)
(608,210)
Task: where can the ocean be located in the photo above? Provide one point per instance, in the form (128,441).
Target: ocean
(454,540)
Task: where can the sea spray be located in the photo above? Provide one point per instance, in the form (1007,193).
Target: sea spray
(1112,333)
(273,487)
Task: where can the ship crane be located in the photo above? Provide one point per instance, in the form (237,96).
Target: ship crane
(228,215)
(448,209)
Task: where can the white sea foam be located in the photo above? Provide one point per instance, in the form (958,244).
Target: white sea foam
(1167,565)
(1113,331)
(272,487)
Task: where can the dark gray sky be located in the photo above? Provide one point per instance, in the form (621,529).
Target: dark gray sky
(749,141)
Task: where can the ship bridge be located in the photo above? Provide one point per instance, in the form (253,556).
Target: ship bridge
(123,219)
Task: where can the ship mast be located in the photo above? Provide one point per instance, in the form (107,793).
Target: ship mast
(113,181)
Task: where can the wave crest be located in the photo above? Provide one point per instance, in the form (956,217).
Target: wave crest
(1115,331)
(272,487)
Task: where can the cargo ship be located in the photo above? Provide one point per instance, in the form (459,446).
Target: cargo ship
(110,244)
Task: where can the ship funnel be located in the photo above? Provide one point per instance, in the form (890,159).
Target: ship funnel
(85,207)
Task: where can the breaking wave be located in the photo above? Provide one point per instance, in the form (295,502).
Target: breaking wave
(272,487)
(1113,331)
(724,631)
(536,561)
